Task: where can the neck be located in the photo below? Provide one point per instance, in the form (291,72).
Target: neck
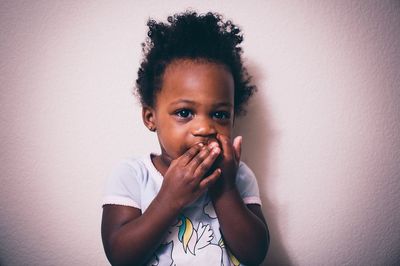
(161,163)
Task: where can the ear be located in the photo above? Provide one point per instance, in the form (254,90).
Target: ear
(149,119)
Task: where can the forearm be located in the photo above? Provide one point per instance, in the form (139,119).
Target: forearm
(136,241)
(244,233)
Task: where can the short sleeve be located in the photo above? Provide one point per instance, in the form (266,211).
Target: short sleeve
(122,187)
(246,183)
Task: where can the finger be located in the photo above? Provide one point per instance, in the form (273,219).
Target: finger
(207,163)
(198,159)
(190,154)
(210,180)
(213,143)
(226,146)
(237,147)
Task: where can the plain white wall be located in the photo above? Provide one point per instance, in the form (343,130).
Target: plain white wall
(322,134)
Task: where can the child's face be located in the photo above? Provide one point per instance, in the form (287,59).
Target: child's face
(195,103)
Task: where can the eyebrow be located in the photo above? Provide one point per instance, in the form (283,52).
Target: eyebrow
(227,104)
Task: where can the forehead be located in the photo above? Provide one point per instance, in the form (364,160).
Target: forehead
(199,80)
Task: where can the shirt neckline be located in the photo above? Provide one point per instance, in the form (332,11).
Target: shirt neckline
(152,168)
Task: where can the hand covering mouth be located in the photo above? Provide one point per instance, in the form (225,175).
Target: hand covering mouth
(209,142)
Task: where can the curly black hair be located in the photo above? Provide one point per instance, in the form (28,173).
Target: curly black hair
(197,37)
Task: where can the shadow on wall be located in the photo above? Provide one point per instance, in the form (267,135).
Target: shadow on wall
(257,135)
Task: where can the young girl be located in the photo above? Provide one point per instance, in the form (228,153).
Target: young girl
(195,203)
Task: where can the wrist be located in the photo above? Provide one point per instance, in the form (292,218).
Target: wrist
(168,203)
(220,189)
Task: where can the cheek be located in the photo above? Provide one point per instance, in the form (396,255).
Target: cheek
(226,131)
(173,140)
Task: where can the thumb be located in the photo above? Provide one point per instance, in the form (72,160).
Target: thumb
(237,146)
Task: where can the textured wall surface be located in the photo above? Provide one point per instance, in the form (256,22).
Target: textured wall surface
(322,135)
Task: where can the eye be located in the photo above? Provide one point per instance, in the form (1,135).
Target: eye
(223,115)
(184,113)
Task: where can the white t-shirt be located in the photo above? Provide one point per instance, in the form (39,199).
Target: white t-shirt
(195,238)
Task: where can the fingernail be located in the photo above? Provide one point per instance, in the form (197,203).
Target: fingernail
(213,145)
(216,150)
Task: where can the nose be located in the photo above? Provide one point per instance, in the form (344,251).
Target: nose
(204,127)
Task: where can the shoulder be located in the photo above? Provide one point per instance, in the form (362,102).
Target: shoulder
(134,163)
(124,185)
(247,185)
(130,167)
(244,172)
(129,173)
